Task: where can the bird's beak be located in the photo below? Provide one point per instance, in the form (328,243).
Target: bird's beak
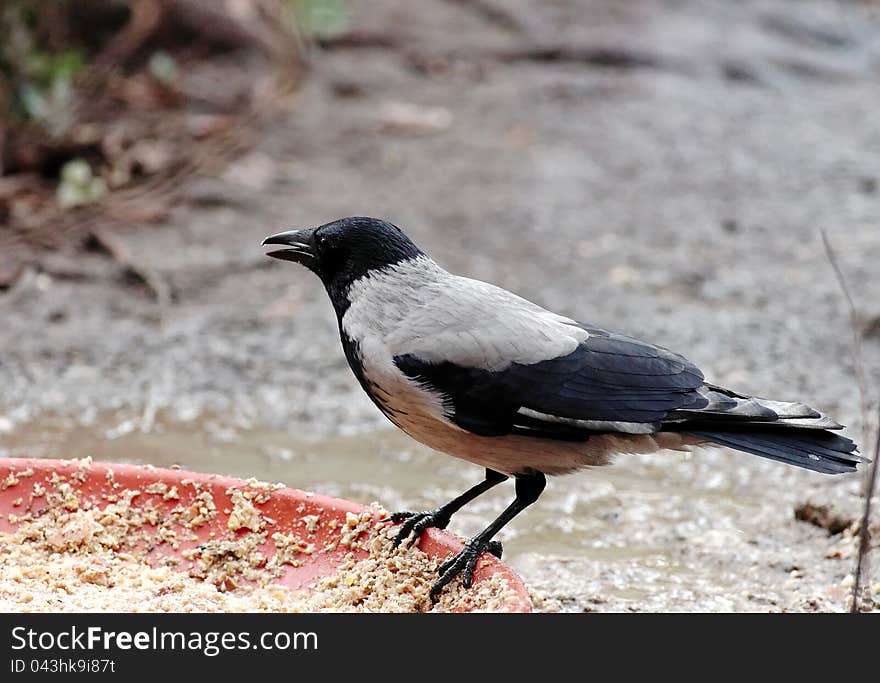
(298,245)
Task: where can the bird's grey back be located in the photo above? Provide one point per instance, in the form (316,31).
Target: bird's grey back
(416,307)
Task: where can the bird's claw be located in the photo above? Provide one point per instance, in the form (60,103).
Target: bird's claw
(399,516)
(395,517)
(414,523)
(464,563)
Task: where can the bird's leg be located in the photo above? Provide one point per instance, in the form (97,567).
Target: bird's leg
(416,522)
(528,490)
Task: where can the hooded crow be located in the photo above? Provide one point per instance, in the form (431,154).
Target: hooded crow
(481,374)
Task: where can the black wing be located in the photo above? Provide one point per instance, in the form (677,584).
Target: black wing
(614,383)
(609,383)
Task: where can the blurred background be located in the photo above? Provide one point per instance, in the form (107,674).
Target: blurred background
(661,168)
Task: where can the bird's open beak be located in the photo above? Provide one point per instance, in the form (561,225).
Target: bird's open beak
(298,246)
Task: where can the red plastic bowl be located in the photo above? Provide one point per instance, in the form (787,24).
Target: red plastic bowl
(285,505)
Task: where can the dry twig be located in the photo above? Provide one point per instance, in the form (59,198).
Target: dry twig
(864,531)
(115,248)
(855,328)
(861,380)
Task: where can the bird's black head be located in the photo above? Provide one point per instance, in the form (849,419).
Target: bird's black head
(345,250)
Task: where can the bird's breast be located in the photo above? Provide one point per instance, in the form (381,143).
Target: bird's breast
(408,404)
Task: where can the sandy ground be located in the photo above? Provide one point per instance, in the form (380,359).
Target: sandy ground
(658,168)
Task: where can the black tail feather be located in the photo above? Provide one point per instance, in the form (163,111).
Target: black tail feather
(817,450)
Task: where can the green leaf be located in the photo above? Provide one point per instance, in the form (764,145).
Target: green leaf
(34,101)
(163,67)
(323,18)
(78,185)
(65,65)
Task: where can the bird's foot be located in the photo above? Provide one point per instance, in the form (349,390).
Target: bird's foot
(416,522)
(464,563)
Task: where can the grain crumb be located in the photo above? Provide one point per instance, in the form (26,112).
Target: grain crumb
(73,555)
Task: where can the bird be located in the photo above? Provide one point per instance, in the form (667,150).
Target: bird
(475,371)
